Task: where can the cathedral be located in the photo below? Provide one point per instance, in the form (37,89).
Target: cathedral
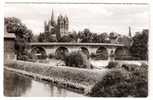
(57,28)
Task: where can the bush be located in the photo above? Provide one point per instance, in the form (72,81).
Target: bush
(131,80)
(93,55)
(112,64)
(77,59)
(51,56)
(25,56)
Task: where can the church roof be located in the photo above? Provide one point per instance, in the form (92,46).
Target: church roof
(9,35)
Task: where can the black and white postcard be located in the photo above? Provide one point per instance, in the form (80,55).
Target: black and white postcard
(76,49)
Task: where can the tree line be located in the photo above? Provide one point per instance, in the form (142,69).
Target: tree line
(85,36)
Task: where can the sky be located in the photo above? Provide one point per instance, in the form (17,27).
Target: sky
(98,18)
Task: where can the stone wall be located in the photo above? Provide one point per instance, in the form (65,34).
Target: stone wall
(9,50)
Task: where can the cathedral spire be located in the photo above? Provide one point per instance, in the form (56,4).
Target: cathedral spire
(45,23)
(52,18)
(130,31)
(45,26)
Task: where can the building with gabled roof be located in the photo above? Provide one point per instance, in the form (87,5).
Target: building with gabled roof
(9,45)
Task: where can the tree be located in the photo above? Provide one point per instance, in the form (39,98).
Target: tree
(29,36)
(77,59)
(22,33)
(113,35)
(65,38)
(85,36)
(42,38)
(94,38)
(127,41)
(102,37)
(51,38)
(139,48)
(14,25)
(73,36)
(35,38)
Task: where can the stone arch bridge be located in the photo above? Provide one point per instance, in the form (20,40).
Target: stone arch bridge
(59,49)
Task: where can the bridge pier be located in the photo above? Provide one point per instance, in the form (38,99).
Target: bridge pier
(111,53)
(51,51)
(92,50)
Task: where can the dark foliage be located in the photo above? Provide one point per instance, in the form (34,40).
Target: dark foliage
(139,49)
(14,25)
(112,64)
(130,80)
(22,33)
(46,37)
(65,39)
(85,36)
(52,37)
(51,56)
(77,59)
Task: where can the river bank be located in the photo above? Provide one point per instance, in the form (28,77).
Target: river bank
(76,78)
(19,85)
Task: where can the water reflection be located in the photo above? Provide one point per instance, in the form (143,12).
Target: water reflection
(17,85)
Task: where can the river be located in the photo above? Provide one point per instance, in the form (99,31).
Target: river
(19,85)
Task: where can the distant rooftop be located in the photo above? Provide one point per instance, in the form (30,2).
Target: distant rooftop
(8,35)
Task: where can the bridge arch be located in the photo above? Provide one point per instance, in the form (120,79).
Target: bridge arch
(39,53)
(85,51)
(122,53)
(102,53)
(61,52)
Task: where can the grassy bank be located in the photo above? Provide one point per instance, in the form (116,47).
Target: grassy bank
(73,77)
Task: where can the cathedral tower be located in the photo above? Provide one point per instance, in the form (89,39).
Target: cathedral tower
(60,22)
(45,27)
(53,23)
(62,25)
(66,24)
(59,27)
(130,32)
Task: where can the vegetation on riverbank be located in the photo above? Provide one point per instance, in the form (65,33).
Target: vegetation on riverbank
(116,81)
(128,80)
(77,59)
(78,77)
(139,49)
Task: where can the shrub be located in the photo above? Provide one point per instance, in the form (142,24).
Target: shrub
(25,56)
(51,56)
(125,58)
(123,82)
(109,85)
(93,55)
(77,59)
(112,64)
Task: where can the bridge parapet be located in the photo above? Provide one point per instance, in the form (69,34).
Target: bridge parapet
(72,44)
